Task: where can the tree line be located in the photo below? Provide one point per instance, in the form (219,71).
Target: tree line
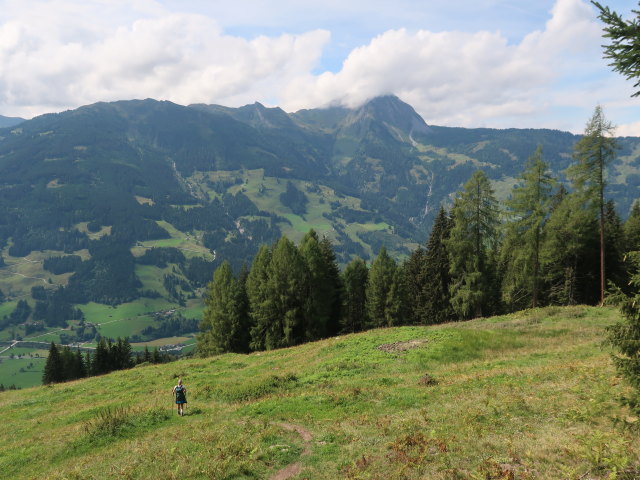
(63,364)
(545,245)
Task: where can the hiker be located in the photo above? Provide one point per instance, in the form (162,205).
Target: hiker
(180,392)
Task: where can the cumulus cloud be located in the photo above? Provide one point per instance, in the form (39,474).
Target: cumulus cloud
(185,58)
(459,78)
(57,54)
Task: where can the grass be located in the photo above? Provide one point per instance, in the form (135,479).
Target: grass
(30,376)
(528,395)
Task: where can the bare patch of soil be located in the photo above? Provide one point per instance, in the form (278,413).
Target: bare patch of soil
(401,346)
(294,468)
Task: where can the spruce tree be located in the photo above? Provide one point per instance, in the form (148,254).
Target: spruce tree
(528,211)
(473,235)
(414,281)
(381,278)
(225,324)
(53,368)
(146,357)
(355,278)
(592,153)
(321,308)
(436,278)
(79,367)
(632,229)
(259,308)
(333,278)
(101,362)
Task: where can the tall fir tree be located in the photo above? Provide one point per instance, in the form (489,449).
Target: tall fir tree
(333,278)
(528,211)
(225,323)
(53,368)
(260,310)
(354,311)
(379,288)
(320,304)
(473,235)
(416,283)
(279,311)
(614,247)
(592,153)
(436,277)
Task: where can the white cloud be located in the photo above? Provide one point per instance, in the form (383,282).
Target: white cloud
(180,57)
(57,54)
(459,78)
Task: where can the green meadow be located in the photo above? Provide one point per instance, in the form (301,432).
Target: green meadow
(522,396)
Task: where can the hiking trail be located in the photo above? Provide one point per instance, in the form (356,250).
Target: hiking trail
(296,467)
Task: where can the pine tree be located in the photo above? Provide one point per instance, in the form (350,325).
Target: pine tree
(436,277)
(593,152)
(225,324)
(381,278)
(614,246)
(416,284)
(53,368)
(355,278)
(528,209)
(79,367)
(475,218)
(155,356)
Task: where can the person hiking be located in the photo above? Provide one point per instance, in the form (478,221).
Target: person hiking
(180,392)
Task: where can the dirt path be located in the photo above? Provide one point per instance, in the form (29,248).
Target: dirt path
(294,468)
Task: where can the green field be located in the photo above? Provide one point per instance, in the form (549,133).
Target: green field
(531,395)
(11,374)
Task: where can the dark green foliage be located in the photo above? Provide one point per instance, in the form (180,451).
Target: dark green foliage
(355,278)
(434,280)
(323,304)
(625,336)
(225,324)
(528,212)
(294,199)
(632,229)
(19,315)
(383,292)
(614,247)
(175,326)
(472,238)
(160,257)
(53,368)
(569,253)
(624,49)
(60,265)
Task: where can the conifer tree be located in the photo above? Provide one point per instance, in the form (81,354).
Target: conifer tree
(632,229)
(322,315)
(155,356)
(436,277)
(79,367)
(333,278)
(259,307)
(381,278)
(569,252)
(593,152)
(225,324)
(146,357)
(101,362)
(53,368)
(415,283)
(528,210)
(475,218)
(355,278)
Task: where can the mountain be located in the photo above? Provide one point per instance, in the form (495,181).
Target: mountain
(6,122)
(528,395)
(121,211)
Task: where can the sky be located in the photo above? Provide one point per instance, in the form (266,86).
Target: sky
(459,63)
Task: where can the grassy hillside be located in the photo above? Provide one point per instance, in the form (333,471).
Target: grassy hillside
(528,395)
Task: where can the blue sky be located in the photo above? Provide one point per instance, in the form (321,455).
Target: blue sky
(471,63)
